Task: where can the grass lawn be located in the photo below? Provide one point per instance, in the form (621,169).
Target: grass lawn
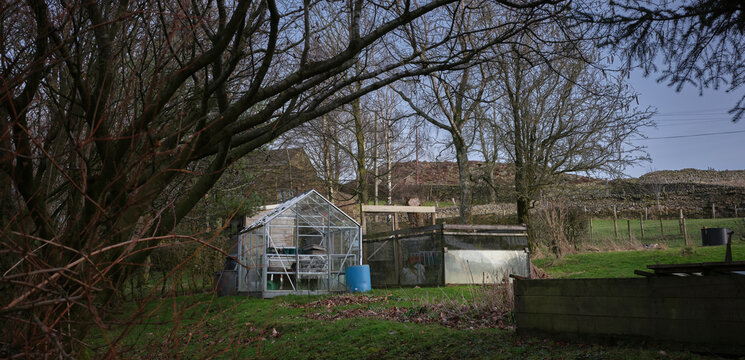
(623,263)
(383,324)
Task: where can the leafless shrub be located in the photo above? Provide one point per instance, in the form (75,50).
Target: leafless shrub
(558,227)
(495,295)
(492,301)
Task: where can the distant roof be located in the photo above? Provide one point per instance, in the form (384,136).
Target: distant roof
(312,199)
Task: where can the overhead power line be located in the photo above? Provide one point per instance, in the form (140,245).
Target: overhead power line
(694,112)
(694,135)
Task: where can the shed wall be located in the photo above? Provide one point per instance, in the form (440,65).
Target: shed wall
(418,256)
(484,266)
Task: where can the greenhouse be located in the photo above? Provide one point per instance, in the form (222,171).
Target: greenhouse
(302,246)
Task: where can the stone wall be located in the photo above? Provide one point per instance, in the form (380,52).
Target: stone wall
(499,209)
(632,197)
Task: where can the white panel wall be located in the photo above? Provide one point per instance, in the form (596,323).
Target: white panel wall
(479,266)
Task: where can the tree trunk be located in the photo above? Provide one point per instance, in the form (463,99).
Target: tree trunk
(521,178)
(389,163)
(375,159)
(491,182)
(461,156)
(361,156)
(523,207)
(327,159)
(523,210)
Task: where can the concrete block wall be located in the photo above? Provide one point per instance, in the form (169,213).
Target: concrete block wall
(696,313)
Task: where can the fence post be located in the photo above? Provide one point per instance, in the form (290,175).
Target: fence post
(590,229)
(713,211)
(615,223)
(680,221)
(363,222)
(398,261)
(685,233)
(641,224)
(628,225)
(662,228)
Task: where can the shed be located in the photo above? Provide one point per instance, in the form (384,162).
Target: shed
(447,254)
(303,246)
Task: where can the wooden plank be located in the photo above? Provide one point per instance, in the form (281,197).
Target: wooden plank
(704,264)
(494,230)
(711,332)
(724,309)
(643,273)
(397,209)
(704,268)
(382,236)
(483,234)
(686,287)
(484,227)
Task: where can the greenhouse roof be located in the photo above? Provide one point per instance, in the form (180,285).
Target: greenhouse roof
(312,209)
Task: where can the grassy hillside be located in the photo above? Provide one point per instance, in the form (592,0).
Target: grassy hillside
(695,176)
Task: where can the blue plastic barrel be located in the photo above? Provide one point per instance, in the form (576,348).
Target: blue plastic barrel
(358,278)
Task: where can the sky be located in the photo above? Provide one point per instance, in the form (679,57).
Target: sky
(690,116)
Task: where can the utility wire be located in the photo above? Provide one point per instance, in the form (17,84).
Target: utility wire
(687,123)
(693,135)
(698,111)
(692,113)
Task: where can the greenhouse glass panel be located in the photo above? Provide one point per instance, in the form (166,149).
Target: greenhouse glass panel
(302,246)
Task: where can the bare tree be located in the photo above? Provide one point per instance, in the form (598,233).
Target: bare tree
(451,100)
(116,118)
(332,142)
(701,43)
(561,115)
(398,136)
(489,143)
(450,103)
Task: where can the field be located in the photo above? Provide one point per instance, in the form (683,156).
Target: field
(617,264)
(642,251)
(602,231)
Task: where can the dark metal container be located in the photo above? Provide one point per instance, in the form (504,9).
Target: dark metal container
(226,282)
(715,236)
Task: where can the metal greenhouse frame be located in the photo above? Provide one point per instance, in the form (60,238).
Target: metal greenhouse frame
(303,246)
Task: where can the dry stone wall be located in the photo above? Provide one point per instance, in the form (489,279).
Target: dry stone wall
(499,209)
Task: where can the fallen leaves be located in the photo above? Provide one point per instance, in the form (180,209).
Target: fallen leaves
(342,300)
(452,315)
